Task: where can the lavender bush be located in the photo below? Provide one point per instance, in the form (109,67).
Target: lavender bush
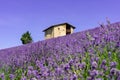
(88,55)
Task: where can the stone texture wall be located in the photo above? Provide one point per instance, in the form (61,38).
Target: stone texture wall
(72,30)
(57,31)
(49,33)
(60,31)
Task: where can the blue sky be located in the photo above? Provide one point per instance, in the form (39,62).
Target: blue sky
(18,16)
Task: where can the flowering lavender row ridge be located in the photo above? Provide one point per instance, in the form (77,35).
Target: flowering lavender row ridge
(89,55)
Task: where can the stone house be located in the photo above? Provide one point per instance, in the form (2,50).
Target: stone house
(58,30)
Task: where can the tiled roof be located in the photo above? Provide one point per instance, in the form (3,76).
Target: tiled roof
(58,25)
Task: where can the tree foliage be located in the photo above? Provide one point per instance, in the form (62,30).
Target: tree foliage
(26,38)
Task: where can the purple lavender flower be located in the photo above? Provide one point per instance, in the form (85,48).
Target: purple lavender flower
(103,65)
(113,71)
(23,78)
(73,77)
(30,68)
(118,72)
(37,63)
(113,64)
(104,62)
(82,65)
(109,54)
(12,76)
(92,59)
(65,78)
(118,78)
(71,62)
(45,74)
(38,76)
(104,68)
(58,71)
(43,69)
(89,78)
(33,79)
(66,67)
(2,76)
(93,73)
(99,79)
(97,59)
(118,44)
(29,73)
(101,73)
(35,72)
(94,65)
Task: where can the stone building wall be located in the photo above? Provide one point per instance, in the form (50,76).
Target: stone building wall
(49,33)
(60,30)
(57,31)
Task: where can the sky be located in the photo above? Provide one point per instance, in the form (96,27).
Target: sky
(19,16)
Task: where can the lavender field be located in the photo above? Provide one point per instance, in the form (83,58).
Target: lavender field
(88,55)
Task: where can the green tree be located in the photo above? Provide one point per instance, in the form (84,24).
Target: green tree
(26,38)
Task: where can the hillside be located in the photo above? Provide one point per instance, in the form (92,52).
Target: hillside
(101,40)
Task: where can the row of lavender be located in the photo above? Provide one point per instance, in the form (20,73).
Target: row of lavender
(67,52)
